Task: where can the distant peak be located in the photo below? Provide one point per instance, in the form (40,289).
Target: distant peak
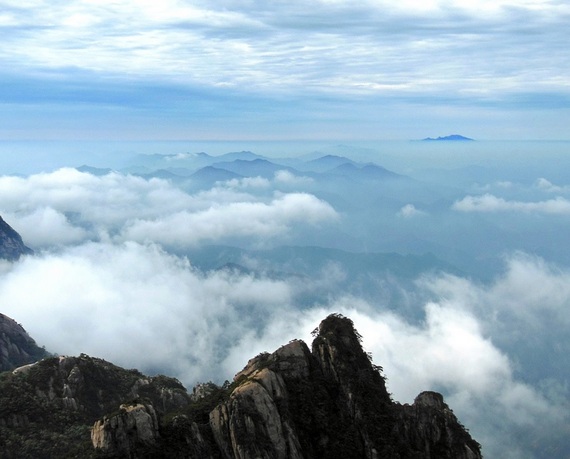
(449,137)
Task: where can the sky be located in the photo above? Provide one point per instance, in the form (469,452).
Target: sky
(318,69)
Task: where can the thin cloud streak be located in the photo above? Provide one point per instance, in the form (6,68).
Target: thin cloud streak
(491,203)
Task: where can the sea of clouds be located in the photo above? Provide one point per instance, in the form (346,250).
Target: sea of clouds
(104,282)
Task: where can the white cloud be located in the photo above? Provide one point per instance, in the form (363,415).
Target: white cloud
(247,182)
(288,178)
(68,206)
(491,203)
(549,187)
(259,44)
(241,219)
(409,211)
(449,351)
(47,227)
(137,306)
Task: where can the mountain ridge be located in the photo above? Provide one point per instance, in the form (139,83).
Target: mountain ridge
(326,401)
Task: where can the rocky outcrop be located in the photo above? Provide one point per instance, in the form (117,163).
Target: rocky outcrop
(430,426)
(11,245)
(331,402)
(17,348)
(47,409)
(122,434)
(251,423)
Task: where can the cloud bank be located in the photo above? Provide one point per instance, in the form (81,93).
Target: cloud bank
(138,306)
(68,206)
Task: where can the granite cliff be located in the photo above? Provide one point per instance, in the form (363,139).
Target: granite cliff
(11,245)
(329,401)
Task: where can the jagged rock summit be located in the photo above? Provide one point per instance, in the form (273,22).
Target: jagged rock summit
(329,401)
(11,245)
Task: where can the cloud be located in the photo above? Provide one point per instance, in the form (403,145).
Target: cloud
(68,206)
(282,70)
(247,182)
(241,219)
(409,211)
(46,227)
(137,306)
(286,177)
(549,187)
(260,46)
(491,203)
(453,350)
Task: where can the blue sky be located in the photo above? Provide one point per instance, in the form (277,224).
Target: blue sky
(327,69)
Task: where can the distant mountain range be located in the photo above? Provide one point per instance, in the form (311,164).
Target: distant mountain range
(244,164)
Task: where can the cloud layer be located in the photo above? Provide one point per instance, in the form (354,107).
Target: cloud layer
(68,206)
(139,307)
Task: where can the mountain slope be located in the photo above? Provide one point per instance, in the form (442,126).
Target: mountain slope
(327,402)
(47,408)
(11,245)
(17,348)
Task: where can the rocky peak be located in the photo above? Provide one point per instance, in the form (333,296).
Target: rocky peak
(331,402)
(294,403)
(11,245)
(337,346)
(431,423)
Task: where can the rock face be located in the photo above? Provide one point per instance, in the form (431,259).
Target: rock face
(47,409)
(17,348)
(11,245)
(135,426)
(431,423)
(329,401)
